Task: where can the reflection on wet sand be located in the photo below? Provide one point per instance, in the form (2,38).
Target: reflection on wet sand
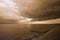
(26,32)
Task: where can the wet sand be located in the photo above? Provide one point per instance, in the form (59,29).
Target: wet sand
(22,31)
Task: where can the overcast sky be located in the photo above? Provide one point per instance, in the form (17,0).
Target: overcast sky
(38,9)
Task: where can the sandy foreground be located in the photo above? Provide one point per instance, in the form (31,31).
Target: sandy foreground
(26,31)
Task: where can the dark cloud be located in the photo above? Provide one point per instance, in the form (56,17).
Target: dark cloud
(44,10)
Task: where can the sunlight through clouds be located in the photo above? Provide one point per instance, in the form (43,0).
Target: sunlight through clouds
(9,9)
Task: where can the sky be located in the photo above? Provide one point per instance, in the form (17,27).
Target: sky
(36,9)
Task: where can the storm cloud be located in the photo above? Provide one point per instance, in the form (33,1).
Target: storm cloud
(42,9)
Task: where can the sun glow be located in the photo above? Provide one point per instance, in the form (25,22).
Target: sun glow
(25,20)
(52,21)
